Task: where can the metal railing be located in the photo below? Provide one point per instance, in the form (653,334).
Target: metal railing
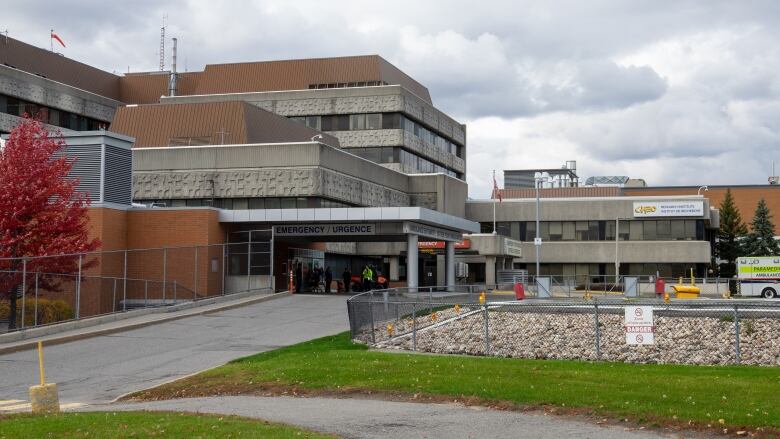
(55,289)
(703,331)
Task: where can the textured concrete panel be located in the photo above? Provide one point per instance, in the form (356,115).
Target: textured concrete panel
(304,107)
(368,104)
(49,93)
(365,138)
(295,182)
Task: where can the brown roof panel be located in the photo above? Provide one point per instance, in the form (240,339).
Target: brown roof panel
(263,76)
(562,192)
(41,62)
(208,123)
(146,88)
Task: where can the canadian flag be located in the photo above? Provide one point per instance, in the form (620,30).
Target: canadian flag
(497,191)
(57,37)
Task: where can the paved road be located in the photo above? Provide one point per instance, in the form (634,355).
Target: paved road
(100,369)
(370,419)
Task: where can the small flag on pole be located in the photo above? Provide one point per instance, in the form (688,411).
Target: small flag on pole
(56,37)
(496,190)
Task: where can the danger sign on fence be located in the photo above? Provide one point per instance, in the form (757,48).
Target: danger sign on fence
(639,325)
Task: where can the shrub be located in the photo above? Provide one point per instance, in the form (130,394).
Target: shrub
(49,311)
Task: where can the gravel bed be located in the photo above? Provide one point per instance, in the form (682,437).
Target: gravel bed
(540,335)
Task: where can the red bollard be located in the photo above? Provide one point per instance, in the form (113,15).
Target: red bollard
(660,286)
(519,291)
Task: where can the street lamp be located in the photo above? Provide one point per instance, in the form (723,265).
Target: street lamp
(538,239)
(706,188)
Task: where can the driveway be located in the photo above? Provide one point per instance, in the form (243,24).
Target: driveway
(99,369)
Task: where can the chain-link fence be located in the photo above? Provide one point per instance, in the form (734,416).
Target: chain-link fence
(624,285)
(53,289)
(702,331)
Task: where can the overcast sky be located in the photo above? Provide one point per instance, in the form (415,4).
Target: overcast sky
(676,92)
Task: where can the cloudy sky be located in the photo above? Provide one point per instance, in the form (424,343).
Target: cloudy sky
(675,92)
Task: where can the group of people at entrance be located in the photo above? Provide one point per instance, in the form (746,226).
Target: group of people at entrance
(319,280)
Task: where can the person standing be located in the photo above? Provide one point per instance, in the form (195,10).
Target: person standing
(367,277)
(347,278)
(328,279)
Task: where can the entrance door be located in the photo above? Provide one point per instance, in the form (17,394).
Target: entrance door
(428,271)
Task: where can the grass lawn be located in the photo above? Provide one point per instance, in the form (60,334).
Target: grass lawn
(733,397)
(143,424)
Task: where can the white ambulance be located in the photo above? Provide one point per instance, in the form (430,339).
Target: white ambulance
(759,276)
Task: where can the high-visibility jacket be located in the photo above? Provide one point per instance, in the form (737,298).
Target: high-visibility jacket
(367,273)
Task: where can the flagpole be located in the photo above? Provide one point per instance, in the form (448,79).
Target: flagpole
(494,201)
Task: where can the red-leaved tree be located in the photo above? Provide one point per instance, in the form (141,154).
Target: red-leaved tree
(41,213)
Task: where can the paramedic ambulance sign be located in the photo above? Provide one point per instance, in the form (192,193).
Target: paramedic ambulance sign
(639,325)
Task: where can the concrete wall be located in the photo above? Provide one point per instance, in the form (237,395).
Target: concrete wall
(287,170)
(54,94)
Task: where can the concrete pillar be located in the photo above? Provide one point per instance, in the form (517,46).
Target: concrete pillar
(440,268)
(394,268)
(490,270)
(449,262)
(412,259)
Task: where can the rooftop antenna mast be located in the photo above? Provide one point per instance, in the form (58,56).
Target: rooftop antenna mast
(162,43)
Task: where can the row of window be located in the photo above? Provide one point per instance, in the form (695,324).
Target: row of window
(394,154)
(630,230)
(249,203)
(52,116)
(379,121)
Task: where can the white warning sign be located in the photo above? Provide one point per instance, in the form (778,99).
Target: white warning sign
(639,325)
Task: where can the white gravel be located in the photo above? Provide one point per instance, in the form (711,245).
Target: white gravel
(678,340)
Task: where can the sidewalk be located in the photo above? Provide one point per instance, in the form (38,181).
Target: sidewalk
(112,323)
(376,419)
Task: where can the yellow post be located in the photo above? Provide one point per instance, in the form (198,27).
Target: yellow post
(482,298)
(692,278)
(40,363)
(44,398)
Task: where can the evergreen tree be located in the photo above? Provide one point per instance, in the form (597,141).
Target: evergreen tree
(729,245)
(761,239)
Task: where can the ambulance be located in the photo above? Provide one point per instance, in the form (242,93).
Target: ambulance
(759,276)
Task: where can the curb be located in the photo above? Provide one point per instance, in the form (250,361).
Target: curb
(33,344)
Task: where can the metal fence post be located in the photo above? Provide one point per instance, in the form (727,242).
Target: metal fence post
(24,288)
(598,330)
(224,258)
(430,300)
(371,311)
(487,333)
(113,299)
(124,286)
(174,291)
(414,326)
(165,273)
(195,289)
(736,333)
(78,290)
(249,263)
(146,292)
(35,317)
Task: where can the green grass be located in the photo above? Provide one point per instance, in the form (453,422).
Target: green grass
(143,424)
(741,396)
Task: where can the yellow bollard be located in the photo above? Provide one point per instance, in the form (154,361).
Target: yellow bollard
(482,298)
(587,295)
(666,296)
(44,397)
(434,316)
(389,329)
(457,308)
